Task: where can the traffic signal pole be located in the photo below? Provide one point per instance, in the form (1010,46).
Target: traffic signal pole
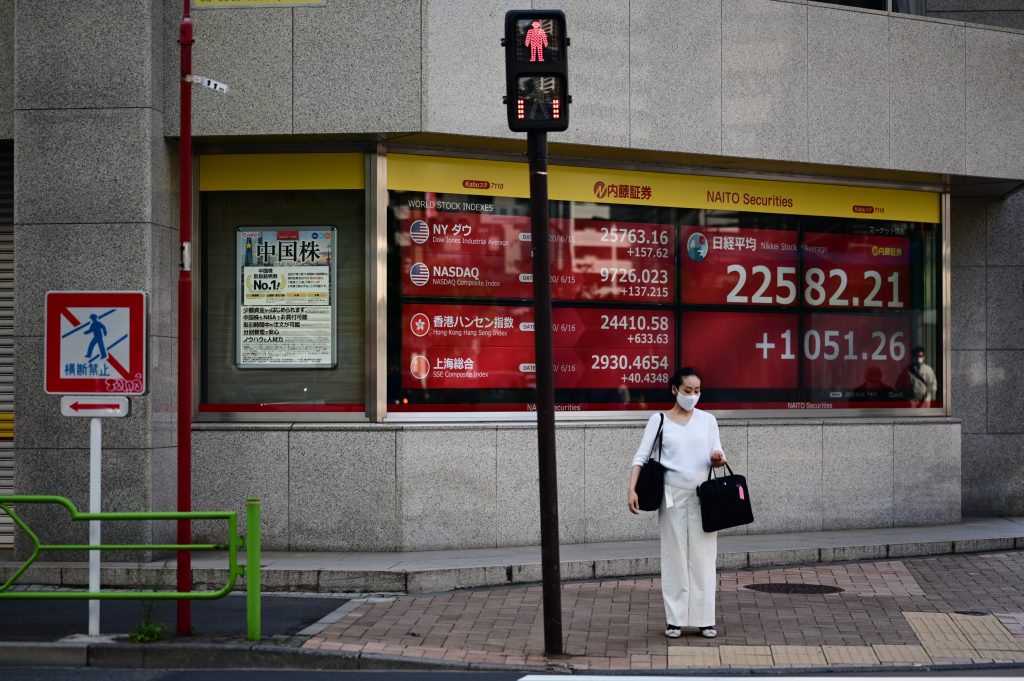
(536,102)
(537,152)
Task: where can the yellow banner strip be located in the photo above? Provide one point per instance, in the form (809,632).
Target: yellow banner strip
(569,183)
(250,172)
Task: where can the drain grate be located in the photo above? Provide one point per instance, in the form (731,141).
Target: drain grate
(972,613)
(783,588)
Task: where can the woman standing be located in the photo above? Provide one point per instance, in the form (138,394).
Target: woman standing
(690,445)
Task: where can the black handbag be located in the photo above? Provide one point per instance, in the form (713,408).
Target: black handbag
(650,486)
(724,501)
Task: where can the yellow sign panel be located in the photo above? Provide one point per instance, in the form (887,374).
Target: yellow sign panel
(571,183)
(457,176)
(250,172)
(229,4)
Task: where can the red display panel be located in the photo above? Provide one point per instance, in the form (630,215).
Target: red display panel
(738,266)
(844,353)
(643,281)
(466,275)
(612,260)
(461,367)
(856,271)
(774,315)
(465,255)
(741,350)
(618,241)
(491,346)
(471,233)
(601,328)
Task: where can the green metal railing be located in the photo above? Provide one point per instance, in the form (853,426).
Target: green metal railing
(250,543)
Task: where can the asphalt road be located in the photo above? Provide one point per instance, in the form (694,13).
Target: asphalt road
(95,674)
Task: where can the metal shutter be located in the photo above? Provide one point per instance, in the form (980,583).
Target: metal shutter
(6,333)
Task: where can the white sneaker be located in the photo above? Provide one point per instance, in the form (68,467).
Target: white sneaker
(673,631)
(708,632)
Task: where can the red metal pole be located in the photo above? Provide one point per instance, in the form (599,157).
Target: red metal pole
(185,328)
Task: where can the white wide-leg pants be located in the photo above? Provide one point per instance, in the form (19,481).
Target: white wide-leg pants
(688,556)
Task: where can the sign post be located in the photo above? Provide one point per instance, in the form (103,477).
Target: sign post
(95,346)
(95,539)
(536,79)
(184,425)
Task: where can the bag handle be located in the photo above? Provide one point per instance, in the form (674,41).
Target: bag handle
(712,471)
(658,439)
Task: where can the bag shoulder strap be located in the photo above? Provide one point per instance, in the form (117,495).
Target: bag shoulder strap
(658,438)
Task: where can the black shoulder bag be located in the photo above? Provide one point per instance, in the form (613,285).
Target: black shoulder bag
(650,486)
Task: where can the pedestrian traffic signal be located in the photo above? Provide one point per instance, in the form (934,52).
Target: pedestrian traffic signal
(536,72)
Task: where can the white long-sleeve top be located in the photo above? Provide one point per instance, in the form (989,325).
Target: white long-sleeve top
(686,449)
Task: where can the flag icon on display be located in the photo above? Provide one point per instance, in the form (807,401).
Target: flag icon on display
(419,367)
(419,273)
(420,325)
(419,231)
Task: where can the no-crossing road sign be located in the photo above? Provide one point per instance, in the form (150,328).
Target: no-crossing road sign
(95,343)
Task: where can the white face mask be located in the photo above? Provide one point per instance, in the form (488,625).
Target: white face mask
(687,402)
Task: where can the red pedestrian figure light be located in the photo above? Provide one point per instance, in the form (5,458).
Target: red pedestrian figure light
(536,40)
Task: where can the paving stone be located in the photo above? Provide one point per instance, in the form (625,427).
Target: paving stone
(1001,655)
(1014,622)
(898,612)
(980,626)
(989,637)
(940,636)
(798,656)
(693,656)
(849,655)
(890,654)
(746,656)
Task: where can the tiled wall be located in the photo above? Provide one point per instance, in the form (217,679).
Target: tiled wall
(987,253)
(765,79)
(94,210)
(387,488)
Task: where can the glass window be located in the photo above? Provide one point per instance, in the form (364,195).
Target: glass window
(864,4)
(903,6)
(787,312)
(283,298)
(776,311)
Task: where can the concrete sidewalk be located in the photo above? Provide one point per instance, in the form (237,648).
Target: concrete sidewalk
(925,596)
(944,610)
(430,571)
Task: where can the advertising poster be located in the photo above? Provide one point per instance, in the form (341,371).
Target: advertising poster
(286,297)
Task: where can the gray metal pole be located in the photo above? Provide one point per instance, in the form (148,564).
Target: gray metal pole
(537,151)
(95,506)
